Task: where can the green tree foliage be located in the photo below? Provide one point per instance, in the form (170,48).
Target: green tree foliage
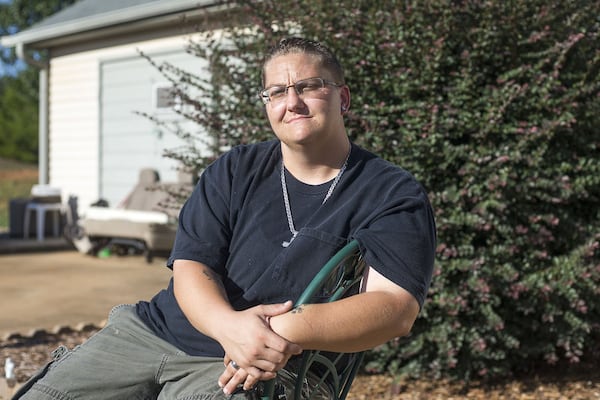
(495,107)
(19,89)
(19,116)
(17,15)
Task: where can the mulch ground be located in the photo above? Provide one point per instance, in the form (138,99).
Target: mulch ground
(31,352)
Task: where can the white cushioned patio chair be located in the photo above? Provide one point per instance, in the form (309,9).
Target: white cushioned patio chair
(141,222)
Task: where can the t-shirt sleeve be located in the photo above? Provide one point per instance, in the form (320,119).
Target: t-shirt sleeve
(204,231)
(400,241)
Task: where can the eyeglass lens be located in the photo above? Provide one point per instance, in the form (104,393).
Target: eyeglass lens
(301,87)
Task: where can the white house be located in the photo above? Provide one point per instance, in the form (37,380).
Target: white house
(93,81)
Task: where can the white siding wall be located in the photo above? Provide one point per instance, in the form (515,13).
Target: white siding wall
(74,120)
(73,124)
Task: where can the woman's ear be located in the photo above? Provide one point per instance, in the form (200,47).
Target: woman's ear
(345,98)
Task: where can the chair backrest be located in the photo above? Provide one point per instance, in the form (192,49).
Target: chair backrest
(146,194)
(340,277)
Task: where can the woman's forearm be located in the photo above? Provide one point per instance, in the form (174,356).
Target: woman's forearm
(200,294)
(245,335)
(357,323)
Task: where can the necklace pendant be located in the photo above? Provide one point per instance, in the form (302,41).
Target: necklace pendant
(286,243)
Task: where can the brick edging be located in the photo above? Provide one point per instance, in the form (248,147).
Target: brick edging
(56,331)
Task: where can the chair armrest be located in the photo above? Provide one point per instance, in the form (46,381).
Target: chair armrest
(340,277)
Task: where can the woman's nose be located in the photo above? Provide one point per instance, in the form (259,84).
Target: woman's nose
(292,98)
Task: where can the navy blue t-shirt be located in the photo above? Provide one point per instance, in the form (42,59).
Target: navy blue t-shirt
(235,223)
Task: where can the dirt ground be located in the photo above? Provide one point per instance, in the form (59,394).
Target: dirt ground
(18,174)
(43,290)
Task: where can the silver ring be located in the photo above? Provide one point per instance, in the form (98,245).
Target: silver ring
(234,365)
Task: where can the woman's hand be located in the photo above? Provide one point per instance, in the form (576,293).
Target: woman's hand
(258,352)
(233,376)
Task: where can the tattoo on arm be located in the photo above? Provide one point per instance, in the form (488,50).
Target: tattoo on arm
(298,310)
(213,276)
(210,274)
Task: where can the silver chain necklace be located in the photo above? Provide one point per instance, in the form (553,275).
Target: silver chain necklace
(286,200)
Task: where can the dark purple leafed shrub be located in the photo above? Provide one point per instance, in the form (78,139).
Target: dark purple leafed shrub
(495,107)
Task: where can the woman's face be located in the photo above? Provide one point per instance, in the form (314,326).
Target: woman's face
(311,117)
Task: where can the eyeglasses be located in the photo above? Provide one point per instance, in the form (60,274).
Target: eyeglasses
(303,88)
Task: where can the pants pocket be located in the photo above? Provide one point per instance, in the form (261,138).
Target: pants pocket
(57,355)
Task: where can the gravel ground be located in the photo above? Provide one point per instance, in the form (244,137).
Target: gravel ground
(31,352)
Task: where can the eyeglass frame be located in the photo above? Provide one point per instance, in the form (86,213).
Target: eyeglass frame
(266,99)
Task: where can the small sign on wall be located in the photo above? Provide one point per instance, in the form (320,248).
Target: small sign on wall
(165,98)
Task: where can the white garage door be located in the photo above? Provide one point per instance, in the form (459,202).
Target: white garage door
(128,141)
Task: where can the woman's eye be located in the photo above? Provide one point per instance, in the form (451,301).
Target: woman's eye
(277,91)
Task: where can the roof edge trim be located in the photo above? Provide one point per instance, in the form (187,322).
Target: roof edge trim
(104,20)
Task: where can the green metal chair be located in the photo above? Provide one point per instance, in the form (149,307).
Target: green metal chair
(340,277)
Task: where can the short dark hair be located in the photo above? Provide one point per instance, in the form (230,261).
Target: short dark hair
(292,45)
